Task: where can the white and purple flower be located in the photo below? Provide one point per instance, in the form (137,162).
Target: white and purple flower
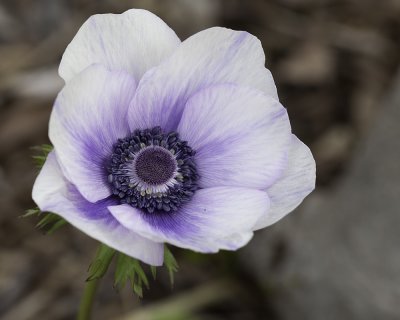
(162,141)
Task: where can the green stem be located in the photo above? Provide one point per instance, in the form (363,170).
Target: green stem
(97,269)
(85,307)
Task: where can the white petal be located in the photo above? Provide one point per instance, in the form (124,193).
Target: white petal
(89,116)
(214,219)
(53,193)
(236,241)
(297,182)
(212,56)
(241,136)
(134,41)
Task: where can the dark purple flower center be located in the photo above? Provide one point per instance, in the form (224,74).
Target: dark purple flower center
(152,170)
(155,165)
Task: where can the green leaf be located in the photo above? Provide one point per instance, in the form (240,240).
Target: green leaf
(31,212)
(57,225)
(153,272)
(50,222)
(137,288)
(100,264)
(141,274)
(48,219)
(170,263)
(43,151)
(123,271)
(130,269)
(45,148)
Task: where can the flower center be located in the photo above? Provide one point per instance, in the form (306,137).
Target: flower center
(155,165)
(152,170)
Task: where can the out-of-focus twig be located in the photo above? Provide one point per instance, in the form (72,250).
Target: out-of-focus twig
(293,24)
(43,83)
(37,300)
(183,305)
(47,50)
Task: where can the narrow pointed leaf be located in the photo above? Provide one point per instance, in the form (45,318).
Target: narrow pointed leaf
(101,262)
(123,271)
(40,158)
(140,272)
(170,263)
(60,223)
(137,288)
(153,270)
(31,212)
(48,219)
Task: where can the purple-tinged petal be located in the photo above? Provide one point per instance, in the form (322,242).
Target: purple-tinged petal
(134,41)
(215,218)
(212,56)
(241,136)
(88,117)
(296,183)
(52,192)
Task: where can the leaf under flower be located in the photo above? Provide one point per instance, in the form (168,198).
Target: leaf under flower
(43,151)
(170,263)
(50,222)
(31,212)
(128,269)
(101,262)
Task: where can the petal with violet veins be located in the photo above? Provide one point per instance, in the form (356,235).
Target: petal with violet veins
(241,136)
(53,193)
(214,219)
(296,183)
(212,56)
(88,117)
(134,41)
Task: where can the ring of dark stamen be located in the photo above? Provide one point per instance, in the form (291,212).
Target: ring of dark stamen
(155,156)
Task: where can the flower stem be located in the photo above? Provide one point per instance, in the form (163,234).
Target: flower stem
(97,269)
(85,307)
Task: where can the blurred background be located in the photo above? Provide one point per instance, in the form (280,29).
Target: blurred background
(336,257)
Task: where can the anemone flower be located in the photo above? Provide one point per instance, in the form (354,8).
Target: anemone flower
(161,141)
